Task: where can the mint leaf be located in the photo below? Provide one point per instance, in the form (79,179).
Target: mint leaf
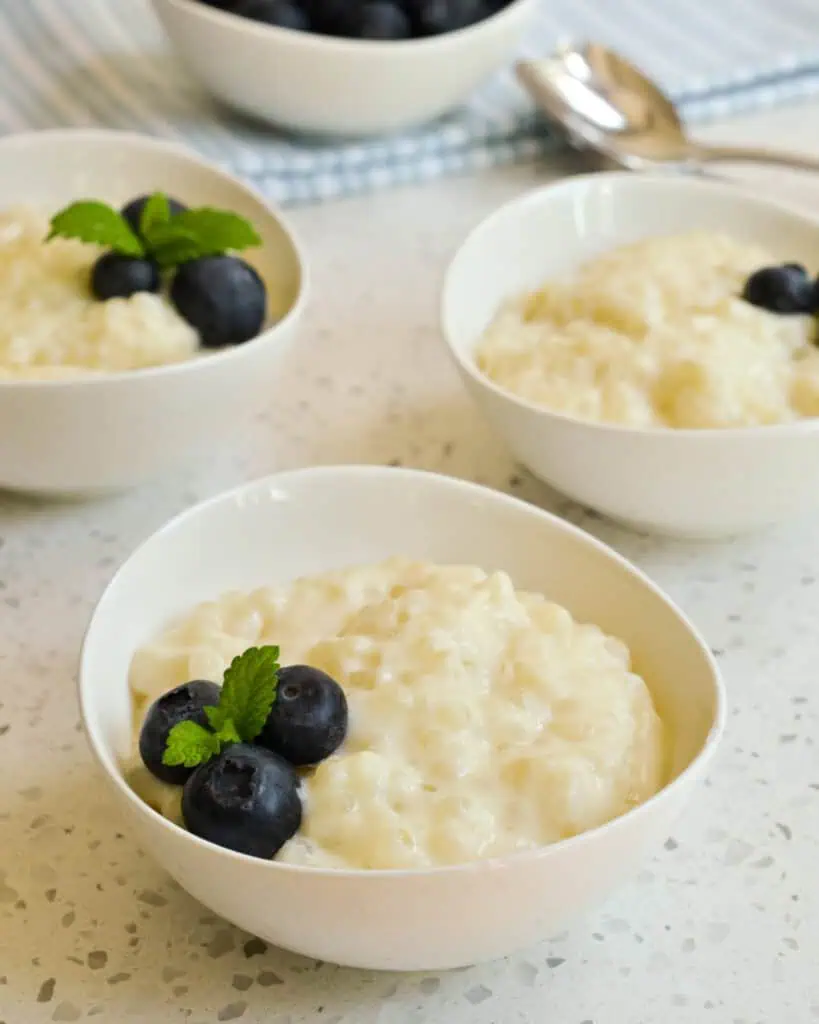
(176,252)
(216,717)
(249,690)
(172,244)
(96,223)
(190,744)
(218,231)
(157,210)
(223,725)
(193,234)
(229,733)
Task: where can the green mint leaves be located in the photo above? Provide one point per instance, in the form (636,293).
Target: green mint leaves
(169,239)
(248,693)
(190,744)
(193,234)
(94,222)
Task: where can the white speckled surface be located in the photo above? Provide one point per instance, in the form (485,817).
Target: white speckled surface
(722,925)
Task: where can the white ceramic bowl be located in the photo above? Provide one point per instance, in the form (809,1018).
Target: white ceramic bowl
(311,521)
(106,432)
(322,84)
(691,483)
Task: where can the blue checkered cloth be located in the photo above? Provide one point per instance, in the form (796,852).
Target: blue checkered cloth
(105,62)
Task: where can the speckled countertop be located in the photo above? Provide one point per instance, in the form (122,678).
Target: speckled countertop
(722,925)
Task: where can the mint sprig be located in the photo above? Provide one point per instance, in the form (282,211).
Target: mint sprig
(193,234)
(247,695)
(168,238)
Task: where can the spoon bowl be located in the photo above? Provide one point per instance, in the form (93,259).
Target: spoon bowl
(604,103)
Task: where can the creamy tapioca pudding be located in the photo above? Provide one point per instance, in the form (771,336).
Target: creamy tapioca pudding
(482,720)
(698,330)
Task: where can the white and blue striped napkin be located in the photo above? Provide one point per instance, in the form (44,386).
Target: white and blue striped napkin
(105,62)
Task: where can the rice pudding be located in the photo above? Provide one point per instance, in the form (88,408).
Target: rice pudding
(51,326)
(656,334)
(482,720)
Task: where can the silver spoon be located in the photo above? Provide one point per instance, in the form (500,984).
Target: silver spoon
(605,104)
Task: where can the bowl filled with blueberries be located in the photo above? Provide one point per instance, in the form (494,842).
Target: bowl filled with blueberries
(344,67)
(146,300)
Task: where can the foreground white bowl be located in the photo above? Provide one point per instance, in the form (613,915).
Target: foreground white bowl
(110,431)
(315,83)
(317,519)
(696,483)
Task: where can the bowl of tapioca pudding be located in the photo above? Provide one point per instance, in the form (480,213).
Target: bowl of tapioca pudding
(418,745)
(648,346)
(141,291)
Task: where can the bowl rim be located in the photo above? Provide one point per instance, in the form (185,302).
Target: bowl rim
(342,44)
(471,492)
(91,379)
(600,180)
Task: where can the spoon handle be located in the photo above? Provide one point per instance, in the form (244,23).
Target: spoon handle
(755,155)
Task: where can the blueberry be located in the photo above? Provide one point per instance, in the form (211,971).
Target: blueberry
(383,19)
(308,720)
(115,276)
(185,703)
(246,799)
(782,289)
(434,17)
(132,211)
(222,297)
(335,17)
(281,13)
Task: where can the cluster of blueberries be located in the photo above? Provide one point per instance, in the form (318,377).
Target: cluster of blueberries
(221,297)
(365,19)
(247,798)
